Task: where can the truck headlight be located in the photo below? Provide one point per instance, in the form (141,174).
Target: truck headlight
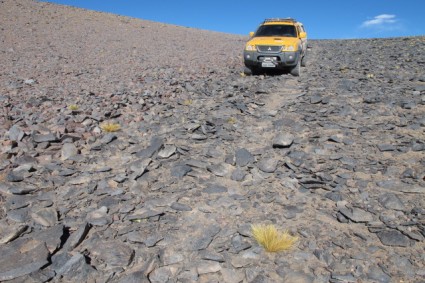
(249,47)
(290,48)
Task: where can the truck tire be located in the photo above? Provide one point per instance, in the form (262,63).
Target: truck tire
(304,61)
(247,71)
(295,71)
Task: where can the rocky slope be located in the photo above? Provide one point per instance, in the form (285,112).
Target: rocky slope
(336,156)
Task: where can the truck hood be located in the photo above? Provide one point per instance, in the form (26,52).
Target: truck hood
(272,40)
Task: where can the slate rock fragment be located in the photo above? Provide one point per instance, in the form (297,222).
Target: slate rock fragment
(391,201)
(77,237)
(113,253)
(21,258)
(214,189)
(268,165)
(45,216)
(99,217)
(283,140)
(356,214)
(180,171)
(393,238)
(156,144)
(77,269)
(243,157)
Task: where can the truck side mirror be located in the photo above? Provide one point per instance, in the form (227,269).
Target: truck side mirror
(303,34)
(251,34)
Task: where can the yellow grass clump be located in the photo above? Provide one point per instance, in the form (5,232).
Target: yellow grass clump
(188,102)
(231,120)
(110,127)
(271,239)
(73,107)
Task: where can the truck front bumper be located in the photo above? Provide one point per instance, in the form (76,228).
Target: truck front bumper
(281,60)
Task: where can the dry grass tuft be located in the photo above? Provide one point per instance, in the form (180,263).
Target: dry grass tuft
(271,239)
(73,107)
(110,127)
(188,102)
(231,120)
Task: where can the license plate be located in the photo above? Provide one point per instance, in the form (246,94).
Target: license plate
(268,65)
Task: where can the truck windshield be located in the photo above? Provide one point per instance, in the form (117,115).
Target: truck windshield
(276,30)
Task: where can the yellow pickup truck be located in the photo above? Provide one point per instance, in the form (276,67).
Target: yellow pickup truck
(277,44)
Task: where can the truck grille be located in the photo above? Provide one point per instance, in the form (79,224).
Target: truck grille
(269,48)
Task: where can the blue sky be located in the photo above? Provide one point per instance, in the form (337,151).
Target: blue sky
(325,19)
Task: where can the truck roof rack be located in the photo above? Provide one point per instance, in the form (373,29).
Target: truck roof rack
(280,20)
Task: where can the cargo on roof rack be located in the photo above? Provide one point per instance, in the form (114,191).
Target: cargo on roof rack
(280,20)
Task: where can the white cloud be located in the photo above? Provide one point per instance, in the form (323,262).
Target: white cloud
(380,21)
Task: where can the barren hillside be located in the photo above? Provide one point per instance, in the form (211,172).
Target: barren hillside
(335,156)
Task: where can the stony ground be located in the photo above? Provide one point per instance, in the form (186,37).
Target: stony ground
(336,156)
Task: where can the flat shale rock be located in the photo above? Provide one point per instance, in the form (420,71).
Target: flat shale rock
(21,258)
(99,217)
(356,214)
(391,201)
(243,157)
(45,216)
(283,140)
(393,238)
(113,253)
(76,268)
(68,150)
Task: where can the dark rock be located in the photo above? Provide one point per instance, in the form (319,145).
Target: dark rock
(393,238)
(155,145)
(45,216)
(168,257)
(268,165)
(77,269)
(39,138)
(19,215)
(297,276)
(21,258)
(218,169)
(391,201)
(167,151)
(291,211)
(375,273)
(180,171)
(144,214)
(99,217)
(238,174)
(108,138)
(135,277)
(152,240)
(315,99)
(239,244)
(77,237)
(202,242)
(243,157)
(357,215)
(139,167)
(210,255)
(15,133)
(214,189)
(10,233)
(68,151)
(180,207)
(204,267)
(18,190)
(386,147)
(283,140)
(14,177)
(113,253)
(51,236)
